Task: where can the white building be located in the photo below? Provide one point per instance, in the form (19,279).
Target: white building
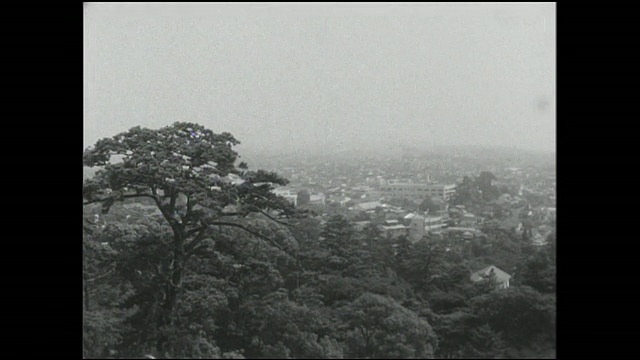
(433,223)
(317,199)
(468,219)
(393,231)
(287,194)
(421,225)
(501,277)
(372,205)
(417,191)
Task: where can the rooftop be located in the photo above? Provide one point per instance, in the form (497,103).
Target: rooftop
(367,205)
(394,227)
(501,276)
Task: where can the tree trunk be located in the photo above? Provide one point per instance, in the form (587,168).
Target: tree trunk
(176,280)
(178,257)
(174,286)
(176,271)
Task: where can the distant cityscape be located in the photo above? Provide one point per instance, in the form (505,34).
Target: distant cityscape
(389,191)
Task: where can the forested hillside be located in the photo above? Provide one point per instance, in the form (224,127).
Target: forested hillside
(187,254)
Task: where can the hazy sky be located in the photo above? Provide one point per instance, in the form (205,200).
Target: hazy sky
(303,77)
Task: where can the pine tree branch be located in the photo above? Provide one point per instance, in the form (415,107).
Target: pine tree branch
(123,197)
(274,219)
(202,234)
(102,276)
(196,230)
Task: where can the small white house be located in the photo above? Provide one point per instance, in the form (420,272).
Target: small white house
(501,276)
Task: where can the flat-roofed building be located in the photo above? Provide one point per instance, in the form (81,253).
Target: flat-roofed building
(371,205)
(394,231)
(318,199)
(417,191)
(421,225)
(442,191)
(287,194)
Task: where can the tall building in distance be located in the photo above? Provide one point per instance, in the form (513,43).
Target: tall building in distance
(421,225)
(288,194)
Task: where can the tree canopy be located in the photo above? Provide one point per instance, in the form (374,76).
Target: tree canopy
(190,174)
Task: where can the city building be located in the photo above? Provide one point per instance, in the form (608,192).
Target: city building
(500,276)
(393,229)
(287,194)
(360,225)
(416,227)
(420,225)
(433,223)
(442,191)
(317,199)
(538,240)
(339,200)
(416,191)
(372,205)
(468,220)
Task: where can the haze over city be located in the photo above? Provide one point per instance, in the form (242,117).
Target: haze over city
(292,78)
(393,196)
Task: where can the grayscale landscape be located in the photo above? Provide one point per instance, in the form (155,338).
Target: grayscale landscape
(319,180)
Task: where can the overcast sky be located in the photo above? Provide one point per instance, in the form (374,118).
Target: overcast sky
(284,77)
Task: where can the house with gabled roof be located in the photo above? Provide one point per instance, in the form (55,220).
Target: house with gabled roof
(501,277)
